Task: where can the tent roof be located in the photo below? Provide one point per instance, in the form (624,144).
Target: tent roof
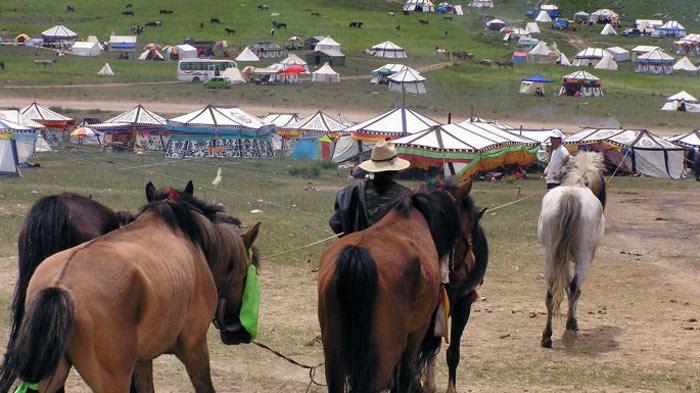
(398,121)
(84,44)
(608,30)
(465,136)
(563,60)
(685,64)
(617,50)
(391,67)
(387,45)
(644,48)
(59,31)
(7,125)
(580,74)
(281,119)
(247,55)
(655,56)
(532,27)
(543,16)
(541,49)
(326,69)
(691,138)
(407,75)
(319,122)
(105,70)
(328,42)
(293,59)
(590,53)
(212,118)
(683,96)
(16,117)
(607,63)
(537,78)
(139,116)
(604,12)
(672,25)
(629,138)
(234,75)
(39,113)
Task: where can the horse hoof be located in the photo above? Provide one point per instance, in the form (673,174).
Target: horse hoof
(546,343)
(569,338)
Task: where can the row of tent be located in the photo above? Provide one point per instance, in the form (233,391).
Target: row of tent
(464,148)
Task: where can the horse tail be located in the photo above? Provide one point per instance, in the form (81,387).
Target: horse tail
(43,336)
(567,231)
(356,282)
(47,230)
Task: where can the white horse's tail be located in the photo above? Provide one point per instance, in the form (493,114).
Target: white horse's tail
(566,230)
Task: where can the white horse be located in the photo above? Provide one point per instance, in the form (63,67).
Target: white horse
(571,225)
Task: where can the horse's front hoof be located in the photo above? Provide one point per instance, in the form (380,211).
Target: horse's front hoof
(569,338)
(546,342)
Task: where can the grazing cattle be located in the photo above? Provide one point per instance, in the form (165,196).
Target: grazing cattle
(214,20)
(45,63)
(486,62)
(263,7)
(398,27)
(166,12)
(2,66)
(462,55)
(316,14)
(155,23)
(201,25)
(504,63)
(128,13)
(423,22)
(279,25)
(136,29)
(356,24)
(230,31)
(129,5)
(70,8)
(391,14)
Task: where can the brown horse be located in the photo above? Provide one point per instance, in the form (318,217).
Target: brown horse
(378,290)
(111,305)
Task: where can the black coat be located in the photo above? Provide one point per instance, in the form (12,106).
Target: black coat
(350,212)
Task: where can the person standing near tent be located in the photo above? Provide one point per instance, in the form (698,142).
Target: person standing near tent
(361,205)
(696,165)
(556,169)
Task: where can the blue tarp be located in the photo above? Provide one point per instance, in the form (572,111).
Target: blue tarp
(537,78)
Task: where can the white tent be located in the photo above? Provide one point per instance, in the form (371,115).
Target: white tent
(247,55)
(389,50)
(397,122)
(582,84)
(481,3)
(563,60)
(151,54)
(607,63)
(532,27)
(684,64)
(672,28)
(59,35)
(8,156)
(588,57)
(325,74)
(84,48)
(347,149)
(603,15)
(608,30)
(327,44)
(643,24)
(15,116)
(541,49)
(543,17)
(407,81)
(92,38)
(418,6)
(234,75)
(655,62)
(318,123)
(280,120)
(381,74)
(634,151)
(690,139)
(619,54)
(293,59)
(681,102)
(106,70)
(186,51)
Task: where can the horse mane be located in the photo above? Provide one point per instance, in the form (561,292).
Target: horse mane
(439,210)
(585,169)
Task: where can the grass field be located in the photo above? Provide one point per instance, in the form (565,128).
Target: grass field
(632,100)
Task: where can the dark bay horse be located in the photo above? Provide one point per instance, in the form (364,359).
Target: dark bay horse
(151,287)
(570,227)
(467,271)
(55,223)
(377,293)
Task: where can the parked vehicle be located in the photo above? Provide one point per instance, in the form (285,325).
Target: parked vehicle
(198,70)
(218,82)
(631,33)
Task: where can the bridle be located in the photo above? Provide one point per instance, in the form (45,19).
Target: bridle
(219,317)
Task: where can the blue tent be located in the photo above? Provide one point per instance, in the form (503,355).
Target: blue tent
(313,147)
(537,78)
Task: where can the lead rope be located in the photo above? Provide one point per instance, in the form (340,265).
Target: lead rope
(312,369)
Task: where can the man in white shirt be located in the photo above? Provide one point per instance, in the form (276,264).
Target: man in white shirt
(556,169)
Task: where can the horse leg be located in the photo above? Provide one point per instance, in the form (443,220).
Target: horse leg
(460,316)
(574,294)
(142,379)
(195,357)
(547,333)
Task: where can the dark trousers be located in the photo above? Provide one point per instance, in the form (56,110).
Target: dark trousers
(552,185)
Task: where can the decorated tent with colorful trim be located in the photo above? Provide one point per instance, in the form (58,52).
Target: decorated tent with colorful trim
(139,128)
(396,123)
(466,148)
(219,132)
(690,139)
(318,123)
(46,116)
(632,150)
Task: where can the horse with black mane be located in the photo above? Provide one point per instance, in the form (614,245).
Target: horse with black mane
(377,294)
(157,278)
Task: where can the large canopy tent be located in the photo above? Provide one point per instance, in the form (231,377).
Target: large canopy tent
(531,84)
(407,81)
(588,57)
(466,148)
(388,49)
(672,29)
(56,123)
(681,102)
(319,124)
(541,53)
(581,84)
(543,17)
(394,124)
(139,128)
(690,139)
(280,120)
(327,44)
(688,45)
(632,150)
(655,62)
(59,36)
(219,132)
(495,24)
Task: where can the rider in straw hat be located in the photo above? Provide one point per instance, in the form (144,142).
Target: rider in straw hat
(360,205)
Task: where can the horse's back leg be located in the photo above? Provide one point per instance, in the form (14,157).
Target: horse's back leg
(461,310)
(547,333)
(195,356)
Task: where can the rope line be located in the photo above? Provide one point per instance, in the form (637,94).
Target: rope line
(303,247)
(312,369)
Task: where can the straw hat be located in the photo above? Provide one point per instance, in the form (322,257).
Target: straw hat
(384,159)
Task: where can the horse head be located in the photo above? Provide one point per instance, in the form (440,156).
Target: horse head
(153,195)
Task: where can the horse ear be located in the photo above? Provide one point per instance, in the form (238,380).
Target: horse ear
(464,189)
(189,188)
(150,192)
(481,213)
(250,236)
